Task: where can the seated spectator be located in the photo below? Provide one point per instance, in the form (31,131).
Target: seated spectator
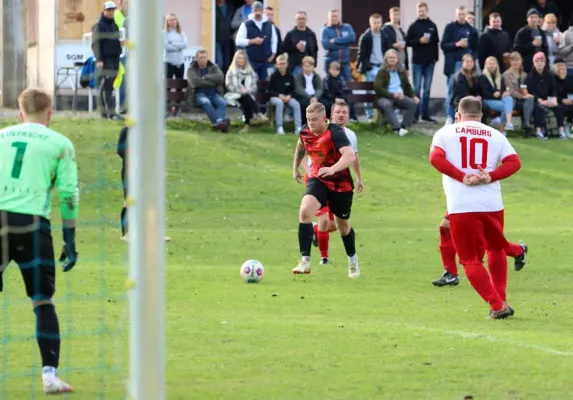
(515,81)
(335,90)
(495,94)
(241,83)
(281,91)
(553,35)
(564,83)
(206,90)
(465,82)
(541,84)
(307,86)
(394,90)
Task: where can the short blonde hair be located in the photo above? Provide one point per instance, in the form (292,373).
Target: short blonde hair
(335,65)
(550,19)
(34,102)
(316,108)
(282,57)
(470,105)
(308,59)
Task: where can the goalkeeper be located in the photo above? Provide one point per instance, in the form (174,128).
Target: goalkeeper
(33,160)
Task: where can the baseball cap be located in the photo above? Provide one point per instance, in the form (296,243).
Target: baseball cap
(257,5)
(109,5)
(533,11)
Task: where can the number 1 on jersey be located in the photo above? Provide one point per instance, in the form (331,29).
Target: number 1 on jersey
(469,155)
(18,159)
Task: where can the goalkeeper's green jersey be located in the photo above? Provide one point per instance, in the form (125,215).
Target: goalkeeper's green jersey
(33,160)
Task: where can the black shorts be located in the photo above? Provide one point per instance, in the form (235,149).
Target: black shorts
(27,240)
(340,203)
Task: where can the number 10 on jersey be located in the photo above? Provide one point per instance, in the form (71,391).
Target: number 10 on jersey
(470,150)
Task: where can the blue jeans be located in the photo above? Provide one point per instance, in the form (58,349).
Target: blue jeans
(215,106)
(425,73)
(345,71)
(122,88)
(450,111)
(503,105)
(370,76)
(261,70)
(297,70)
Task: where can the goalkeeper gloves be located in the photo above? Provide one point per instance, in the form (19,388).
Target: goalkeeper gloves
(69,255)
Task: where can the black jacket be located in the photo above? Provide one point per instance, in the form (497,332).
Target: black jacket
(541,85)
(453,33)
(289,46)
(423,54)
(279,39)
(524,46)
(105,39)
(365,50)
(334,88)
(462,88)
(487,89)
(564,87)
(223,29)
(390,33)
(493,43)
(122,150)
(280,84)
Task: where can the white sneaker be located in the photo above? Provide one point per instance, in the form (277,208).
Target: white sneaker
(280,130)
(449,121)
(52,384)
(303,267)
(353,267)
(262,117)
(496,121)
(297,130)
(509,126)
(540,135)
(402,132)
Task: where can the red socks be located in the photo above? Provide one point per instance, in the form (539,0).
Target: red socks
(513,250)
(322,238)
(448,251)
(497,265)
(480,281)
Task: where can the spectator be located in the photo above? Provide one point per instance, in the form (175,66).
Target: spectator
(566,49)
(564,83)
(121,13)
(206,89)
(545,7)
(530,40)
(299,42)
(515,80)
(471,18)
(335,90)
(541,85)
(336,38)
(224,34)
(259,38)
(121,20)
(553,37)
(242,14)
(241,83)
(394,90)
(281,92)
(106,47)
(308,86)
(495,94)
(459,39)
(424,40)
(466,83)
(494,42)
(270,13)
(396,37)
(175,41)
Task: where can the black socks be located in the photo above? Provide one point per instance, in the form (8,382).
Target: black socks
(305,233)
(48,334)
(349,243)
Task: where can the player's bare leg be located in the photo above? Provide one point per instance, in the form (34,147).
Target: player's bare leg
(349,241)
(448,253)
(308,207)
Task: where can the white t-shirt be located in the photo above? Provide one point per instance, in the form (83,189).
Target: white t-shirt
(351,138)
(468,145)
(309,88)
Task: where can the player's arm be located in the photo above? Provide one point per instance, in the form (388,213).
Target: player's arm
(304,164)
(440,162)
(299,154)
(343,145)
(358,172)
(68,195)
(510,164)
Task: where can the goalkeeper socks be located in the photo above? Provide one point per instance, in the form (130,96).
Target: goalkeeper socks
(447,251)
(48,334)
(349,243)
(305,232)
(323,238)
(124,221)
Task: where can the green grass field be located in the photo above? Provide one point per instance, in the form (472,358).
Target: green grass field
(387,335)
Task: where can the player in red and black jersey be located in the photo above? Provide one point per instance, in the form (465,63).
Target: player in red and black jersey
(329,183)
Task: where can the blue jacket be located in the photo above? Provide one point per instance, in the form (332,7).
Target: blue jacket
(88,74)
(339,50)
(452,34)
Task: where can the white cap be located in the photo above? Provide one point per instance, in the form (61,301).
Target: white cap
(109,5)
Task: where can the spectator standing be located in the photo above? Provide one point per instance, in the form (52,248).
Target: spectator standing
(494,42)
(224,34)
(545,7)
(270,13)
(107,49)
(530,40)
(336,38)
(308,86)
(121,20)
(396,37)
(566,49)
(281,92)
(564,83)
(175,41)
(494,92)
(299,42)
(424,40)
(241,84)
(459,39)
(242,14)
(471,18)
(515,80)
(553,36)
(258,36)
(393,89)
(206,90)
(121,13)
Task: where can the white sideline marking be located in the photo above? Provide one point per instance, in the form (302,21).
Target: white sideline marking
(490,338)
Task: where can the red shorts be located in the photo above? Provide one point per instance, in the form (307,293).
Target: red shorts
(471,231)
(323,210)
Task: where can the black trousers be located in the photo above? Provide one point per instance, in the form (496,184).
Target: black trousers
(568,112)
(106,76)
(539,115)
(174,71)
(249,106)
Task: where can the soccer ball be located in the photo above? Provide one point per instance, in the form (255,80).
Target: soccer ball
(252,271)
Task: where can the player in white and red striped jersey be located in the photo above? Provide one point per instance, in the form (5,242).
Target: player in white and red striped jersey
(467,154)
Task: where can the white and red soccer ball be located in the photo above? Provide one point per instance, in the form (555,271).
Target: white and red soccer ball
(252,271)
